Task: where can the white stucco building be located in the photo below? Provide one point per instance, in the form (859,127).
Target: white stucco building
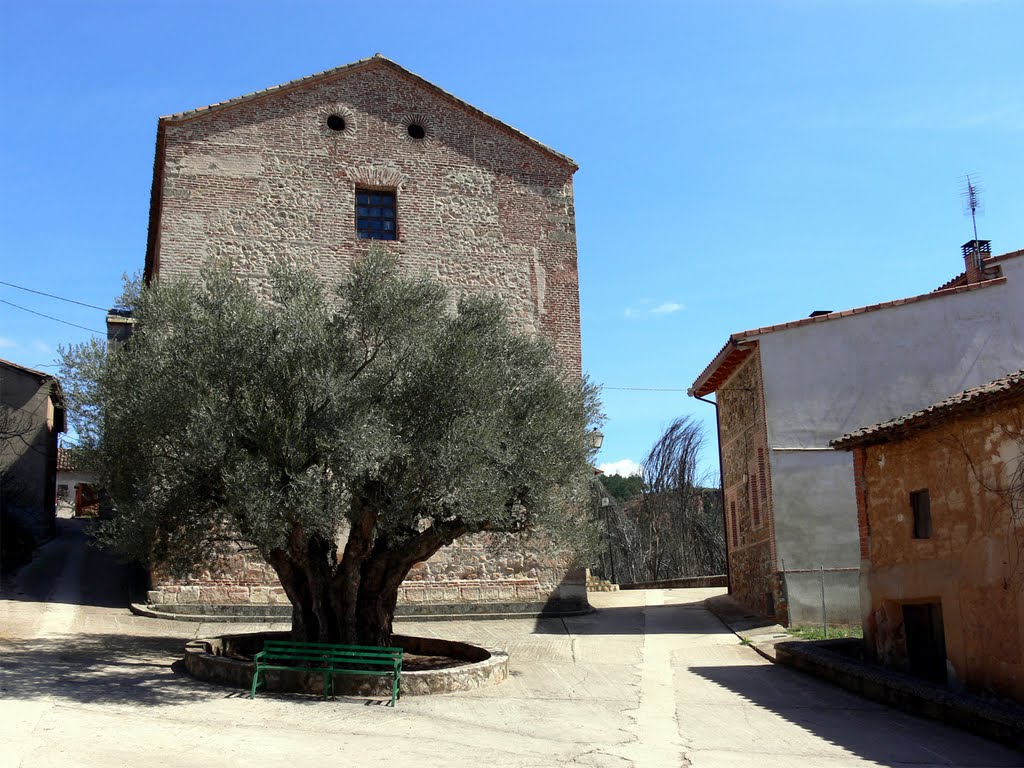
(783,392)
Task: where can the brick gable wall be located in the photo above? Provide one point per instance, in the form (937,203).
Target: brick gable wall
(267,181)
(481,209)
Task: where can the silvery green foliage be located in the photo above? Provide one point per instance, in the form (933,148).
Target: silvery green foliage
(227,415)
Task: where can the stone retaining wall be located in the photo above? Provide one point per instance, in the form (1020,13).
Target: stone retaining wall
(835,661)
(690,582)
(212,661)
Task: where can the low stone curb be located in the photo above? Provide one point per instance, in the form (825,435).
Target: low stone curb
(260,614)
(690,582)
(997,720)
(758,632)
(204,661)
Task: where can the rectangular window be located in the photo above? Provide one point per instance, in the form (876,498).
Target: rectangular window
(921,505)
(375,215)
(755,502)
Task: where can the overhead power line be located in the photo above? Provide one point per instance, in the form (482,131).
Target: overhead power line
(52,296)
(645,389)
(49,317)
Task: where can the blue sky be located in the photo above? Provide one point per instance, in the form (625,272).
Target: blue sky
(741,163)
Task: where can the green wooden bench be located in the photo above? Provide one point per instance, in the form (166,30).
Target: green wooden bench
(329,660)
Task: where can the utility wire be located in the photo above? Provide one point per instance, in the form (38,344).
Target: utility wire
(52,296)
(645,389)
(104,309)
(49,317)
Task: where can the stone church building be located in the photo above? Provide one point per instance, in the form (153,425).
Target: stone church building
(315,172)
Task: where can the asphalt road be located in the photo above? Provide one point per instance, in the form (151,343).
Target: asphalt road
(650,679)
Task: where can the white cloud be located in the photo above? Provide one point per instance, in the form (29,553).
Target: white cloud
(666,308)
(646,310)
(6,343)
(624,467)
(42,347)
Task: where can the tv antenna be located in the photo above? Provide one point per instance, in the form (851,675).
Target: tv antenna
(971,191)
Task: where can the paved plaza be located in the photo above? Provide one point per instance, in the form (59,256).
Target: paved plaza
(650,679)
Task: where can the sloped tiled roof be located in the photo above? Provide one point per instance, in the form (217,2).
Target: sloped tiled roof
(1006,389)
(65,460)
(41,375)
(739,344)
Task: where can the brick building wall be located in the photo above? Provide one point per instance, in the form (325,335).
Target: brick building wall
(972,564)
(264,179)
(746,480)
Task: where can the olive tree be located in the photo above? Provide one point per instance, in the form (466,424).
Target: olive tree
(346,436)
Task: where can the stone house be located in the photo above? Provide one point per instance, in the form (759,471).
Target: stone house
(940,509)
(316,171)
(31,417)
(784,391)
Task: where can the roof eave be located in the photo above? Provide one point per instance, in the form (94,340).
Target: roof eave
(982,399)
(734,352)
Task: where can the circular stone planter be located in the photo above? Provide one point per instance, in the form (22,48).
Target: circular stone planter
(217,660)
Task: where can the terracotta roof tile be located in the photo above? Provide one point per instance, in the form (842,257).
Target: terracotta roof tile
(707,382)
(975,400)
(65,460)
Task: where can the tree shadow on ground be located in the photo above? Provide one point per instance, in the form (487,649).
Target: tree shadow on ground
(100,669)
(673,619)
(876,732)
(125,669)
(98,579)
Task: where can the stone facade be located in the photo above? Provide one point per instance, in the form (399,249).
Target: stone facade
(746,480)
(31,416)
(271,178)
(262,180)
(970,565)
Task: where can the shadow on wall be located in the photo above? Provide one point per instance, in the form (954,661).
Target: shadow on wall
(883,735)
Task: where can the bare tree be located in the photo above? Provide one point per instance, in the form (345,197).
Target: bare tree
(1008,486)
(675,528)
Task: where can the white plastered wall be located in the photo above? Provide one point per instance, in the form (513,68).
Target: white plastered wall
(825,379)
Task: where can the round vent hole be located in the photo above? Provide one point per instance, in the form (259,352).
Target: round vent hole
(416,131)
(336,123)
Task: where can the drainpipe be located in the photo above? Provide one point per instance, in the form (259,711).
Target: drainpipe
(721,490)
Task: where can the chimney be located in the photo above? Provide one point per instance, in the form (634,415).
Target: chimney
(974,252)
(119,325)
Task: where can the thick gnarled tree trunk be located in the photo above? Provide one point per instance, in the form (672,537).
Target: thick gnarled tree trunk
(351,598)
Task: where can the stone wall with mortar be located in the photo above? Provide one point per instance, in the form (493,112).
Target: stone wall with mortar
(479,207)
(746,479)
(972,564)
(266,181)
